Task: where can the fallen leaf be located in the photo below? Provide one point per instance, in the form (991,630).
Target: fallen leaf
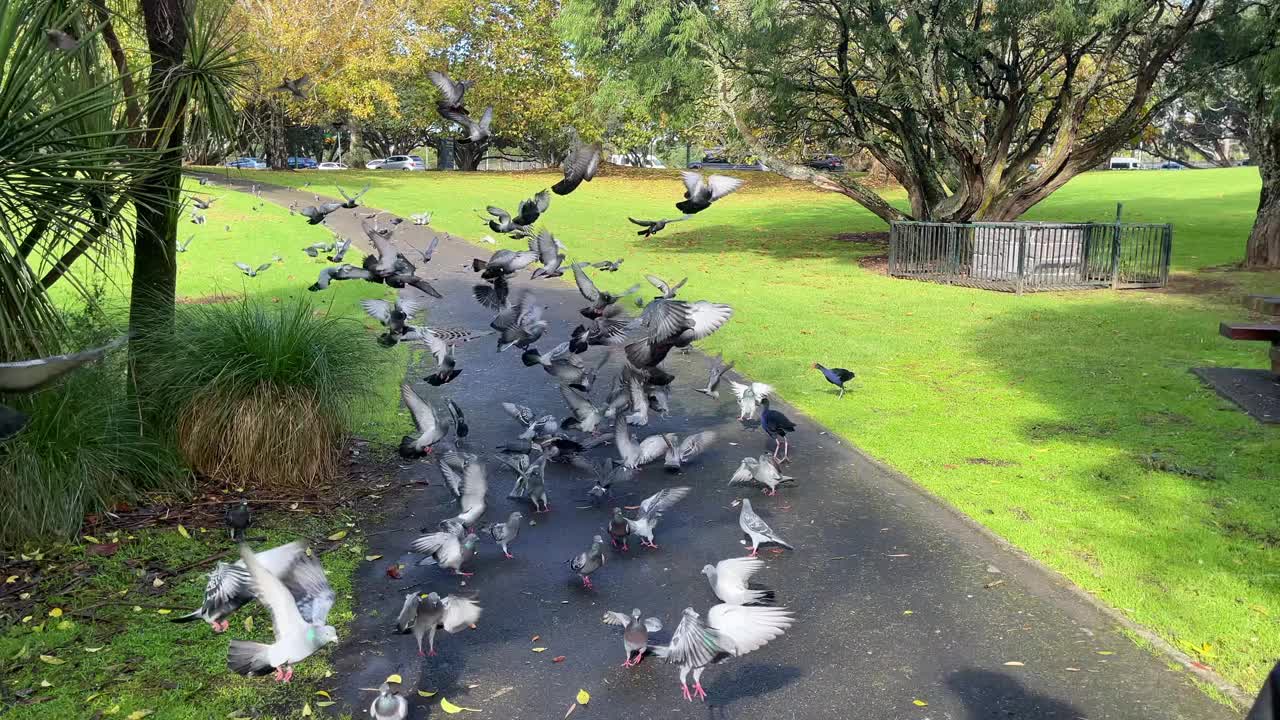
(138,714)
(908,612)
(306,710)
(157,582)
(426,693)
(322,693)
(338,535)
(51,660)
(452,709)
(535,638)
(558,659)
(583,697)
(325,703)
(538,649)
(55,613)
(11,580)
(1105,652)
(183,532)
(1014,663)
(919,703)
(1071,669)
(45,683)
(248,625)
(393,571)
(572,707)
(371,558)
(993,583)
(91,539)
(94,649)
(163,611)
(394,678)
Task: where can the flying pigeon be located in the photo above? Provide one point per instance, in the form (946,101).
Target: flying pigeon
(581,165)
(446,550)
(450,103)
(343,245)
(651,510)
(352,201)
(238,520)
(776,425)
(430,429)
(600,300)
(731,581)
(763,471)
(394,317)
(230,586)
(716,368)
(251,271)
(757,529)
(586,416)
(635,455)
(197,219)
(608,265)
(478,131)
(24,375)
(299,602)
(425,614)
(531,209)
(203,203)
(668,291)
(835,376)
(475,485)
(504,533)
(589,561)
(653,227)
(700,193)
(297,86)
(729,631)
(315,249)
(341,272)
(317,213)
(635,635)
(182,247)
(388,705)
(460,427)
(680,451)
(749,397)
(548,250)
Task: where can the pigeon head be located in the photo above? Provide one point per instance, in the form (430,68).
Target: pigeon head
(322,635)
(708,570)
(470,541)
(617,513)
(409,448)
(635,612)
(691,614)
(515,516)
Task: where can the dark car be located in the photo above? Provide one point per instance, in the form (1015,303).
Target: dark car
(301,163)
(1171,165)
(719,162)
(830,163)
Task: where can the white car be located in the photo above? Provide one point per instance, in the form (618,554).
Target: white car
(374,164)
(401,162)
(331,166)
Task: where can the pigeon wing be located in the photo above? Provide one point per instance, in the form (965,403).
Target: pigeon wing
(310,588)
(585,286)
(722,185)
(286,620)
(30,374)
(693,644)
(743,628)
(424,418)
(475,484)
(459,613)
(707,317)
(661,501)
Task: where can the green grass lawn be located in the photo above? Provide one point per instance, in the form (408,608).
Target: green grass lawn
(126,658)
(1038,416)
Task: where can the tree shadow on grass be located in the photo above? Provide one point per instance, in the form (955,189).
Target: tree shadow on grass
(991,695)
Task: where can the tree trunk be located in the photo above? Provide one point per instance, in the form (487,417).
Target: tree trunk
(1263,247)
(468,155)
(155,270)
(277,151)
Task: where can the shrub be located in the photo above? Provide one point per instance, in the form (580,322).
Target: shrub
(263,394)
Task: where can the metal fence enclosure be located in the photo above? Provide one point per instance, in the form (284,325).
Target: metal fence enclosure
(1025,257)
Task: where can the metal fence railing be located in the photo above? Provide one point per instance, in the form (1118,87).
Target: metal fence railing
(1025,257)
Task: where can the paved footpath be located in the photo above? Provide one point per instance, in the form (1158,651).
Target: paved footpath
(898,601)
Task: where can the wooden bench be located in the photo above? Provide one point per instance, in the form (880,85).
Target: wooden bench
(1258,332)
(1264,304)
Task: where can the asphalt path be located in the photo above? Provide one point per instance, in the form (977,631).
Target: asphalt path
(903,608)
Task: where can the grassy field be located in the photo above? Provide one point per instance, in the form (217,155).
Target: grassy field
(1068,422)
(106,648)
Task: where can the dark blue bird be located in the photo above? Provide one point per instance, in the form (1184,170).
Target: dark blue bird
(836,376)
(776,425)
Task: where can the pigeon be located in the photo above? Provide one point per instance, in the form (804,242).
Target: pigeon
(203,203)
(729,631)
(586,416)
(452,613)
(519,464)
(299,602)
(730,581)
(452,463)
(716,368)
(635,636)
(757,529)
(238,520)
(341,272)
(388,705)
(636,455)
(581,165)
(475,485)
(653,227)
(619,530)
(315,249)
(835,376)
(680,451)
(749,397)
(421,219)
(298,86)
(608,265)
(501,222)
(430,429)
(431,249)
(450,103)
(599,299)
(394,317)
(400,280)
(460,427)
(519,413)
(446,550)
(230,586)
(352,201)
(24,375)
(504,533)
(668,324)
(315,214)
(59,40)
(519,323)
(700,193)
(760,470)
(343,245)
(651,510)
(478,131)
(605,330)
(446,366)
(504,262)
(536,485)
(549,255)
(531,209)
(668,291)
(197,219)
(589,561)
(202,180)
(776,425)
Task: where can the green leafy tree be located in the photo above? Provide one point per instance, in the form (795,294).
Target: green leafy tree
(1261,77)
(979,109)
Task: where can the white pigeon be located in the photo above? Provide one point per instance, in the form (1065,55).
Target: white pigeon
(757,529)
(749,397)
(729,631)
(731,581)
(230,586)
(430,429)
(298,615)
(651,512)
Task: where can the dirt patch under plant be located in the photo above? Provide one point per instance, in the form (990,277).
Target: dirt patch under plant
(207,299)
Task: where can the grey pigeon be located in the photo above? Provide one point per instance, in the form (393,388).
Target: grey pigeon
(680,451)
(716,368)
(230,586)
(504,533)
(519,323)
(701,192)
(651,510)
(580,166)
(446,366)
(729,631)
(388,705)
(731,581)
(586,416)
(421,219)
(475,485)
(608,265)
(635,636)
(668,291)
(635,455)
(341,272)
(451,93)
(446,550)
(24,375)
(314,249)
(757,529)
(59,40)
(504,262)
(252,271)
(430,429)
(298,86)
(519,413)
(589,561)
(762,470)
(619,530)
(666,324)
(317,213)
(394,316)
(343,245)
(452,463)
(478,131)
(298,615)
(197,219)
(352,201)
(519,464)
(427,613)
(549,255)
(182,247)
(203,203)
(529,210)
(653,227)
(239,519)
(536,482)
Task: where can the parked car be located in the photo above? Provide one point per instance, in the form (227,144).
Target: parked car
(301,163)
(331,166)
(420,161)
(1171,165)
(1123,163)
(830,163)
(719,162)
(375,164)
(247,163)
(401,162)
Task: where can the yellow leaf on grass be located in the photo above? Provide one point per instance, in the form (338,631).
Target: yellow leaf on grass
(306,710)
(91,539)
(452,709)
(157,582)
(11,580)
(94,650)
(584,697)
(322,693)
(394,678)
(371,558)
(338,535)
(55,613)
(183,532)
(919,703)
(426,693)
(163,611)
(538,649)
(51,660)
(138,714)
(45,683)
(325,703)
(248,624)
(1105,652)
